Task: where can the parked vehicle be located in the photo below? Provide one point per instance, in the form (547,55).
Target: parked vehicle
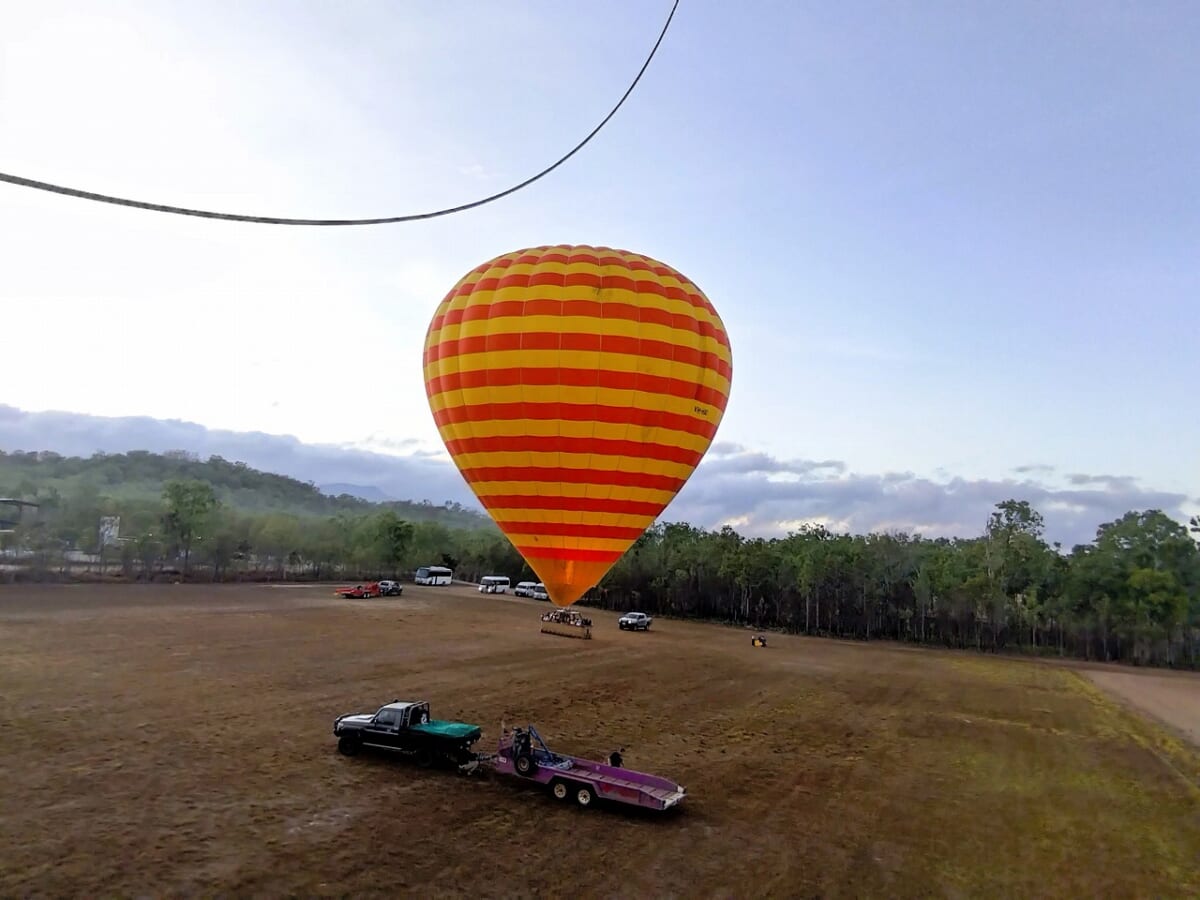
(539,592)
(405,727)
(433,575)
(524,589)
(493,584)
(635,621)
(391,588)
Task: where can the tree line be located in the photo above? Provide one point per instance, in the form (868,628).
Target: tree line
(1131,594)
(190,533)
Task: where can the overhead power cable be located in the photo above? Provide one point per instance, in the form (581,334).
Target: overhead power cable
(384,220)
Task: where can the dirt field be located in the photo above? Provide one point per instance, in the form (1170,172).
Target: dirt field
(170,740)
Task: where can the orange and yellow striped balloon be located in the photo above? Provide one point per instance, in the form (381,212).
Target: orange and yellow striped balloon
(576,389)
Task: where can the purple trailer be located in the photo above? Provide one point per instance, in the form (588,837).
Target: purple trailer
(523,753)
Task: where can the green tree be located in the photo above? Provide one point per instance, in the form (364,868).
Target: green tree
(189,504)
(394,539)
(1154,607)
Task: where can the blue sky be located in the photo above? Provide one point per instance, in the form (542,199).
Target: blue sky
(948,240)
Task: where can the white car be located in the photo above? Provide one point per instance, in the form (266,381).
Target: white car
(634,621)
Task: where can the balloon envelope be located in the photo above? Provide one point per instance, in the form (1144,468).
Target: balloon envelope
(576,389)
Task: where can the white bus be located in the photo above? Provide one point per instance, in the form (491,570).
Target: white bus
(433,575)
(493,584)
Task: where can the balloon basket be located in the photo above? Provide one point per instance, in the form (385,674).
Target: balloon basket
(566,623)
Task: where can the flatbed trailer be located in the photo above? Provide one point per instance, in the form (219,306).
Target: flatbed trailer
(523,754)
(359,591)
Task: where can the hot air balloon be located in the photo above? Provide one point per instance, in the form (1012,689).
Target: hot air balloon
(576,389)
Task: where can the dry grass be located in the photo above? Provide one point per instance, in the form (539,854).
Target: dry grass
(174,740)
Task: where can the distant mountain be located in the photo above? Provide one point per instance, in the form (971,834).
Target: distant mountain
(418,476)
(138,477)
(362,492)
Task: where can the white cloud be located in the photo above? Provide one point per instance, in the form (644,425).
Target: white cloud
(744,498)
(241,327)
(742,486)
(478,171)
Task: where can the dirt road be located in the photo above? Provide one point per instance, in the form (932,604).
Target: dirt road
(170,740)
(1171,697)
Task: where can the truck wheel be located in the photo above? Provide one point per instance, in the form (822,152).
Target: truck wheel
(525,765)
(424,757)
(560,789)
(584,796)
(348,746)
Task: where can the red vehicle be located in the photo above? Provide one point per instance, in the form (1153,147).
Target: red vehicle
(359,591)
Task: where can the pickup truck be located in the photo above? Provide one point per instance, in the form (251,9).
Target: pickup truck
(406,728)
(635,621)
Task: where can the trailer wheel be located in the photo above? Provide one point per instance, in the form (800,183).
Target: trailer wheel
(525,765)
(348,746)
(560,789)
(584,796)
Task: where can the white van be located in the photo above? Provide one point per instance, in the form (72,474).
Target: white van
(539,592)
(524,589)
(493,584)
(433,575)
